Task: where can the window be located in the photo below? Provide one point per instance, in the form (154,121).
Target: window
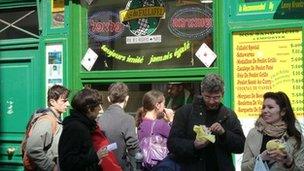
(148,34)
(19,23)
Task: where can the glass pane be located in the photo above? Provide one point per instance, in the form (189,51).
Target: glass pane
(150,34)
(19,23)
(176,93)
(57,13)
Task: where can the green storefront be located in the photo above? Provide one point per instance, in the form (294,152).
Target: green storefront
(257,47)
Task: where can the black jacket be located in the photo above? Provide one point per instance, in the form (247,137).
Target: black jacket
(181,137)
(76,151)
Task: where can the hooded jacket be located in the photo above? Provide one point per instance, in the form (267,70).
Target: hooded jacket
(76,151)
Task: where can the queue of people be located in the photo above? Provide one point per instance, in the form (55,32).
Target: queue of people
(91,139)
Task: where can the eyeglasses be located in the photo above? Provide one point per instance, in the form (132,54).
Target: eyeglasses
(214,98)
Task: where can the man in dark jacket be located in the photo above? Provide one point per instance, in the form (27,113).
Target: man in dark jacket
(207,109)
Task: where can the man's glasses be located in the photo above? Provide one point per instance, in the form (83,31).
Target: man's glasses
(214,98)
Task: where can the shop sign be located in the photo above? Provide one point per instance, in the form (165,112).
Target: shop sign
(105,26)
(142,16)
(191,22)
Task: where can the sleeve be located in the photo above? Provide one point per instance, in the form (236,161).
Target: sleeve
(40,138)
(163,128)
(76,151)
(233,139)
(131,137)
(178,142)
(299,158)
(248,157)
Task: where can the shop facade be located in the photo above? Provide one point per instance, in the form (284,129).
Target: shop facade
(148,45)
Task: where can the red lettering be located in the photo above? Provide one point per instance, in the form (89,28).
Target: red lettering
(105,27)
(191,23)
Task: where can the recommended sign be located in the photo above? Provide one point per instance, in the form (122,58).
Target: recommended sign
(269,60)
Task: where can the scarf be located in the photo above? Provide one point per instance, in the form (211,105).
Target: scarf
(273,130)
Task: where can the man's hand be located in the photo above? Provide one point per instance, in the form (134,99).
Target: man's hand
(201,144)
(102,152)
(217,128)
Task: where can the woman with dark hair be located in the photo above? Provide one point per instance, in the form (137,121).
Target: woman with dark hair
(153,117)
(277,123)
(77,149)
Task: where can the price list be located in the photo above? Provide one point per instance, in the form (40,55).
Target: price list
(297,77)
(268,60)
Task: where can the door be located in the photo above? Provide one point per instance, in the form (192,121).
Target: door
(21,91)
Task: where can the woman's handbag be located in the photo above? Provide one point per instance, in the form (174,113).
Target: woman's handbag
(154,148)
(260,165)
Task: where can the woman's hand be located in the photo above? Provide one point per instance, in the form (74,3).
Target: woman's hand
(265,155)
(168,114)
(281,156)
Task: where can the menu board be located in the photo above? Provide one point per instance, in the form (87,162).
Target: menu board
(267,60)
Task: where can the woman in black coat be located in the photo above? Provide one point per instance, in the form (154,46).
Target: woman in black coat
(76,151)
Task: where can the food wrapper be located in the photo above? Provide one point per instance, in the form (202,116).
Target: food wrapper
(202,133)
(275,144)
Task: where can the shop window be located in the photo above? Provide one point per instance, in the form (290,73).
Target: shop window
(181,93)
(154,34)
(19,23)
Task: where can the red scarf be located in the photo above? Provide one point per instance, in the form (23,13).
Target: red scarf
(109,162)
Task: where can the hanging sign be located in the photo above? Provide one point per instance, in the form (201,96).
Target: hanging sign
(206,55)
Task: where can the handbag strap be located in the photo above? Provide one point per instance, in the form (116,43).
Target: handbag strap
(152,127)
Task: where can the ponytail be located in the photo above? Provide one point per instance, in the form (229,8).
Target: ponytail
(141,113)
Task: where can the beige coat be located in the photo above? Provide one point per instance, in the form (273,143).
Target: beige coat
(252,149)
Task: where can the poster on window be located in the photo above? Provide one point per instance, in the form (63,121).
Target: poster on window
(54,65)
